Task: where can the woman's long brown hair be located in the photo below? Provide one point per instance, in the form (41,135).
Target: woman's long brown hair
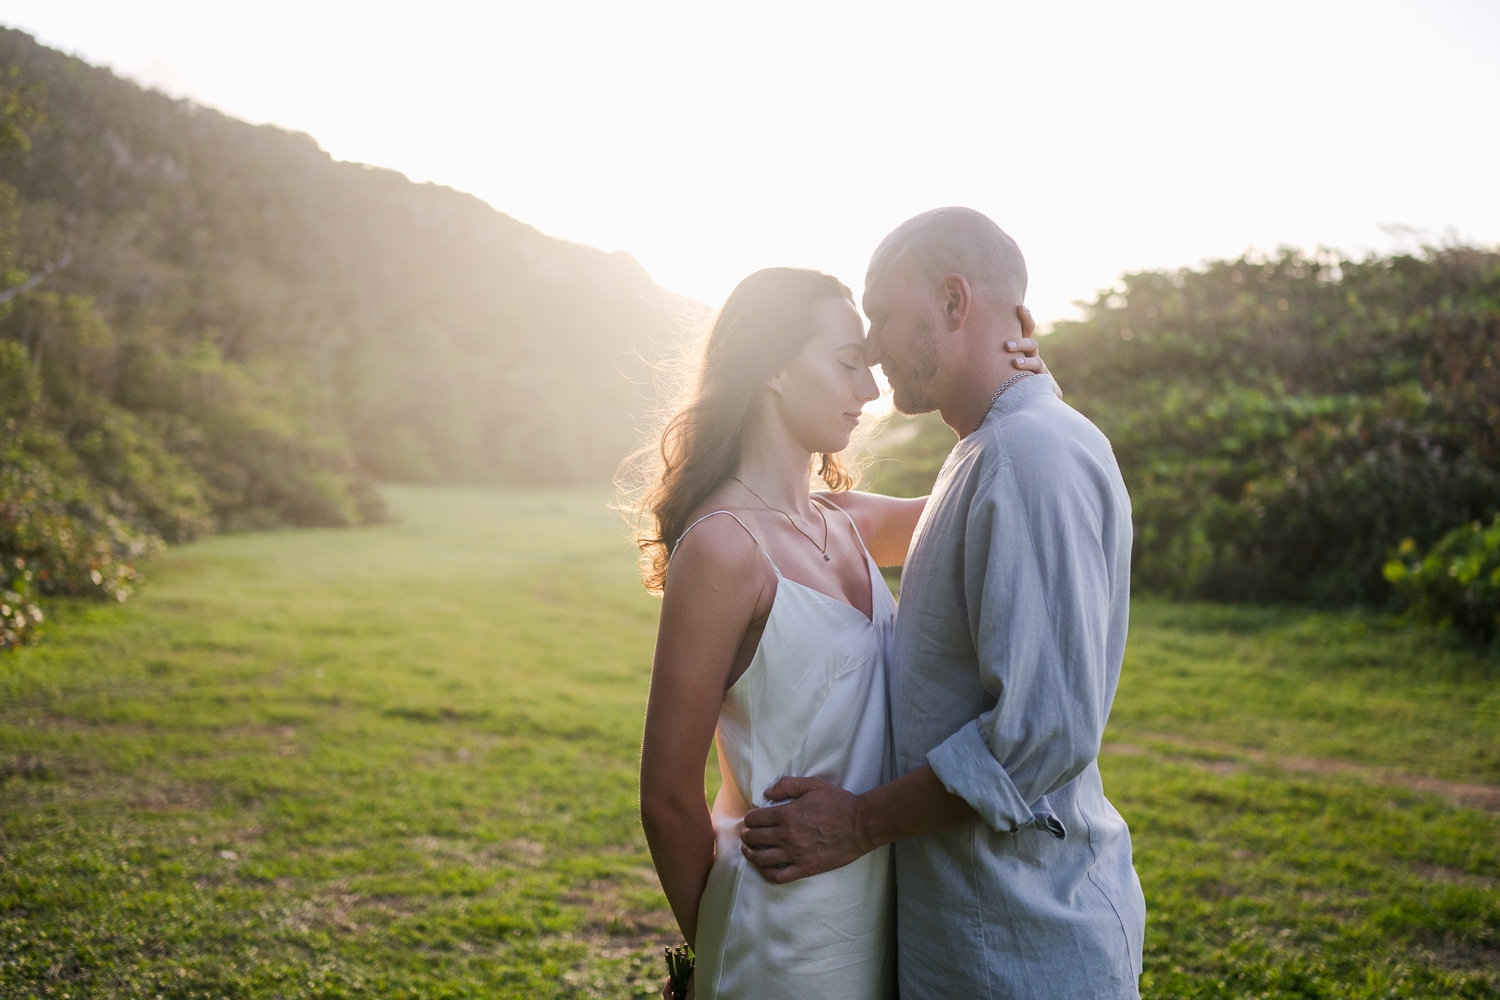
(763,325)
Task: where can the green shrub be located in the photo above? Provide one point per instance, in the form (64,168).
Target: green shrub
(1283,423)
(19,616)
(58,537)
(1457,582)
(61,531)
(1280,423)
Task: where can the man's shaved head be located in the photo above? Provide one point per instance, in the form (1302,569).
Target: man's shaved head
(943,293)
(947,241)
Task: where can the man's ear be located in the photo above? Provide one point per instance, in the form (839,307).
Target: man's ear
(957,297)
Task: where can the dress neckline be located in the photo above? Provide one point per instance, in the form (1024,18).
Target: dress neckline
(869,623)
(871,573)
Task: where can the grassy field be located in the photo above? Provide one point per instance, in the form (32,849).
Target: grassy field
(400,762)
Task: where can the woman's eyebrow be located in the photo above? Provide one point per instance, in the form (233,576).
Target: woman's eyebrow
(849,347)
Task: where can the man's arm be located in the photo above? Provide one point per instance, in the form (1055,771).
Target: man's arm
(1037,584)
(1041,564)
(831,827)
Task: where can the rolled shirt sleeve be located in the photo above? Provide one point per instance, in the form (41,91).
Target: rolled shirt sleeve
(1037,585)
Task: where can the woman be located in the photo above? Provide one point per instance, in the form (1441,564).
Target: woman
(773,636)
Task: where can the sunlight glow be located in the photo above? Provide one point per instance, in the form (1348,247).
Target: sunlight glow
(712,140)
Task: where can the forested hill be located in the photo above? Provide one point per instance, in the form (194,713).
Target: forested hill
(239,331)
(397,330)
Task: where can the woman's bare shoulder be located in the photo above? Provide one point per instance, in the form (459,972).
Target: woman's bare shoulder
(716,546)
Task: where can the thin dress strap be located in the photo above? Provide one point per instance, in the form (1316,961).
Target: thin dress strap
(705,517)
(841,510)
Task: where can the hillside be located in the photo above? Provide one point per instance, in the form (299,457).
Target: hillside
(244,332)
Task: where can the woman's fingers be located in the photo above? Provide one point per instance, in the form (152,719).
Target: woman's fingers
(1026,354)
(1027,323)
(1026,348)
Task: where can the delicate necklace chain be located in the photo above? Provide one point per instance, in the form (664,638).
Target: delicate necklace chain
(993,400)
(821,548)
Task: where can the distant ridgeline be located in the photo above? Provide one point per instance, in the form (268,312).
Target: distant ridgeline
(231,330)
(1284,425)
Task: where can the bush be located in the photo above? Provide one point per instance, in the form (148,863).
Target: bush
(1457,582)
(61,531)
(19,617)
(1283,423)
(58,537)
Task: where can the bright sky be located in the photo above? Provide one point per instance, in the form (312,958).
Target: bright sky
(712,139)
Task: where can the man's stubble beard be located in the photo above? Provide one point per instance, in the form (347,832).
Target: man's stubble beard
(912,385)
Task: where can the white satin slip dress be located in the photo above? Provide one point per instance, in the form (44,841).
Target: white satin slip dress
(812,703)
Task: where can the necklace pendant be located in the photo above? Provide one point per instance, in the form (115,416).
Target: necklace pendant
(827,557)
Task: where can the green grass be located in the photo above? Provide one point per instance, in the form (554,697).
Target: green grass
(1345,687)
(417,744)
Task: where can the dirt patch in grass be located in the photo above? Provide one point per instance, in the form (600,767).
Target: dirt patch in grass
(1454,876)
(1224,760)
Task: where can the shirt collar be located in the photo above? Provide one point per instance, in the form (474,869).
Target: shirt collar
(1032,385)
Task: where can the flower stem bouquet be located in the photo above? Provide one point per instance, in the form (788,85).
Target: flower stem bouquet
(680,962)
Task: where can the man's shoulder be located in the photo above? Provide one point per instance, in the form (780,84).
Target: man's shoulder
(1042,436)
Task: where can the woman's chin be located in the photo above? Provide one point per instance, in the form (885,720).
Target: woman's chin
(834,444)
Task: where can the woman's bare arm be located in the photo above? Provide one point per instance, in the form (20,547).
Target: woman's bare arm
(715,589)
(885,523)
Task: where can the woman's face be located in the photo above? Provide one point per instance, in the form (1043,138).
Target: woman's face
(820,393)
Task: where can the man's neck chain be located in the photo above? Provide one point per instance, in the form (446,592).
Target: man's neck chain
(996,397)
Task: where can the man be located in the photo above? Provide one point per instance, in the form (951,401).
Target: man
(1013,872)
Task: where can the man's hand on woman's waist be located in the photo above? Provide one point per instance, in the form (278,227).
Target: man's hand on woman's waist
(821,827)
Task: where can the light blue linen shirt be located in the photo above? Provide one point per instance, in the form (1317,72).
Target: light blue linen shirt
(1014,606)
